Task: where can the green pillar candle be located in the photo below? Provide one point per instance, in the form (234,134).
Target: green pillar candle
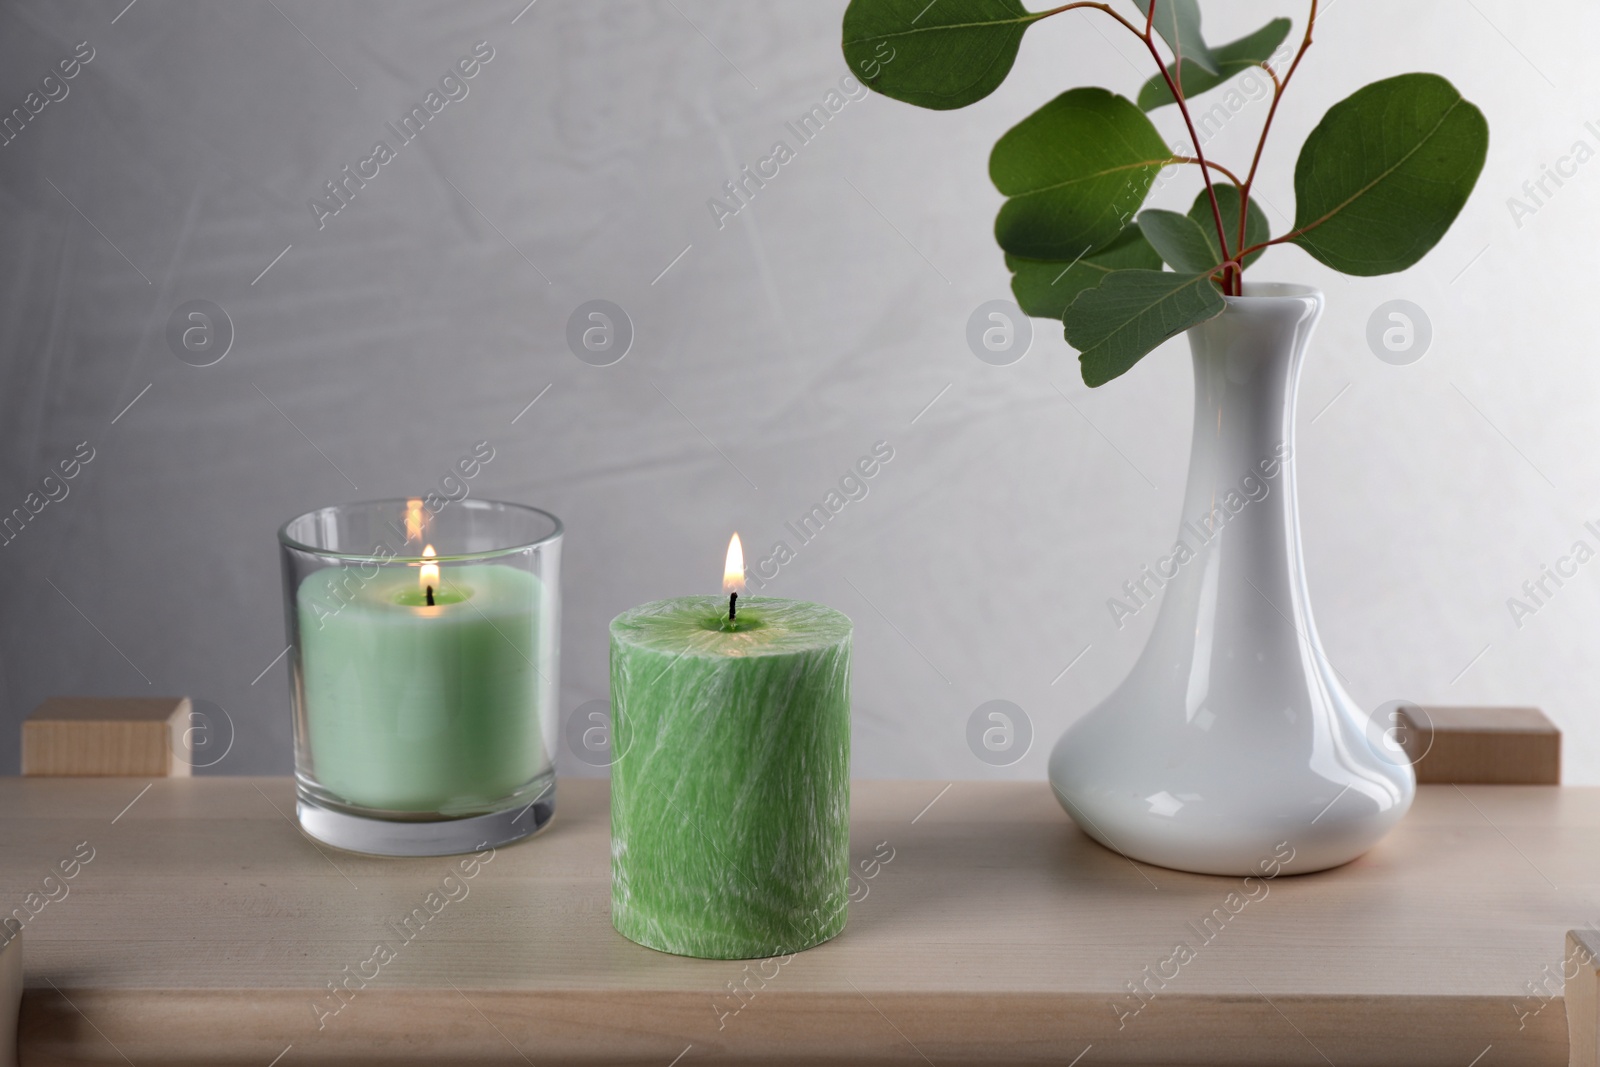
(730,790)
(418,708)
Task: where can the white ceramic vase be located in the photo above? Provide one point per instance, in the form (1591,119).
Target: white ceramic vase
(1232,741)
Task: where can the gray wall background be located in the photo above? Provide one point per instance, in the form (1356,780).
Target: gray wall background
(828,315)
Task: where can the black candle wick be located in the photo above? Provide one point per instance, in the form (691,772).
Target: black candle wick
(430,596)
(733,606)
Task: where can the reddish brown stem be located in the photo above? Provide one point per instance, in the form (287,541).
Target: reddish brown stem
(1266,127)
(1213,164)
(1232,268)
(1238,260)
(1097,6)
(1230,279)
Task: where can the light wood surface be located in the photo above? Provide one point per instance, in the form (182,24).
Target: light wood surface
(1581,972)
(1483,746)
(113,736)
(10,996)
(205,927)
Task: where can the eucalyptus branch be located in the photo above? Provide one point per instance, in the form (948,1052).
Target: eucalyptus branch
(1213,164)
(1194,137)
(1147,36)
(1272,111)
(1075,170)
(1131,28)
(1238,260)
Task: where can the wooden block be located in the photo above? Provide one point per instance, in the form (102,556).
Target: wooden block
(145,737)
(10,995)
(1483,746)
(1581,970)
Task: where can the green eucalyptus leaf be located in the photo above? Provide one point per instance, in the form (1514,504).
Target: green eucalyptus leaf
(1044,288)
(1178,23)
(1131,312)
(1075,171)
(1256,229)
(1385,173)
(941,55)
(1233,58)
(1180,241)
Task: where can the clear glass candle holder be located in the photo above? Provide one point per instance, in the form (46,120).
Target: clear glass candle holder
(424,651)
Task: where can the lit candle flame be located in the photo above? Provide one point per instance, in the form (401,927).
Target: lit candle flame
(414,519)
(733,570)
(429,575)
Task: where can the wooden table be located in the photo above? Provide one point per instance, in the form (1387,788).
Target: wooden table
(206,930)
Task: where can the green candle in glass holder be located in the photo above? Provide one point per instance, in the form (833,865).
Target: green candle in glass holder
(730,786)
(423,683)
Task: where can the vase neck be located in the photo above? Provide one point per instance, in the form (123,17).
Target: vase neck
(1240,513)
(1246,374)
